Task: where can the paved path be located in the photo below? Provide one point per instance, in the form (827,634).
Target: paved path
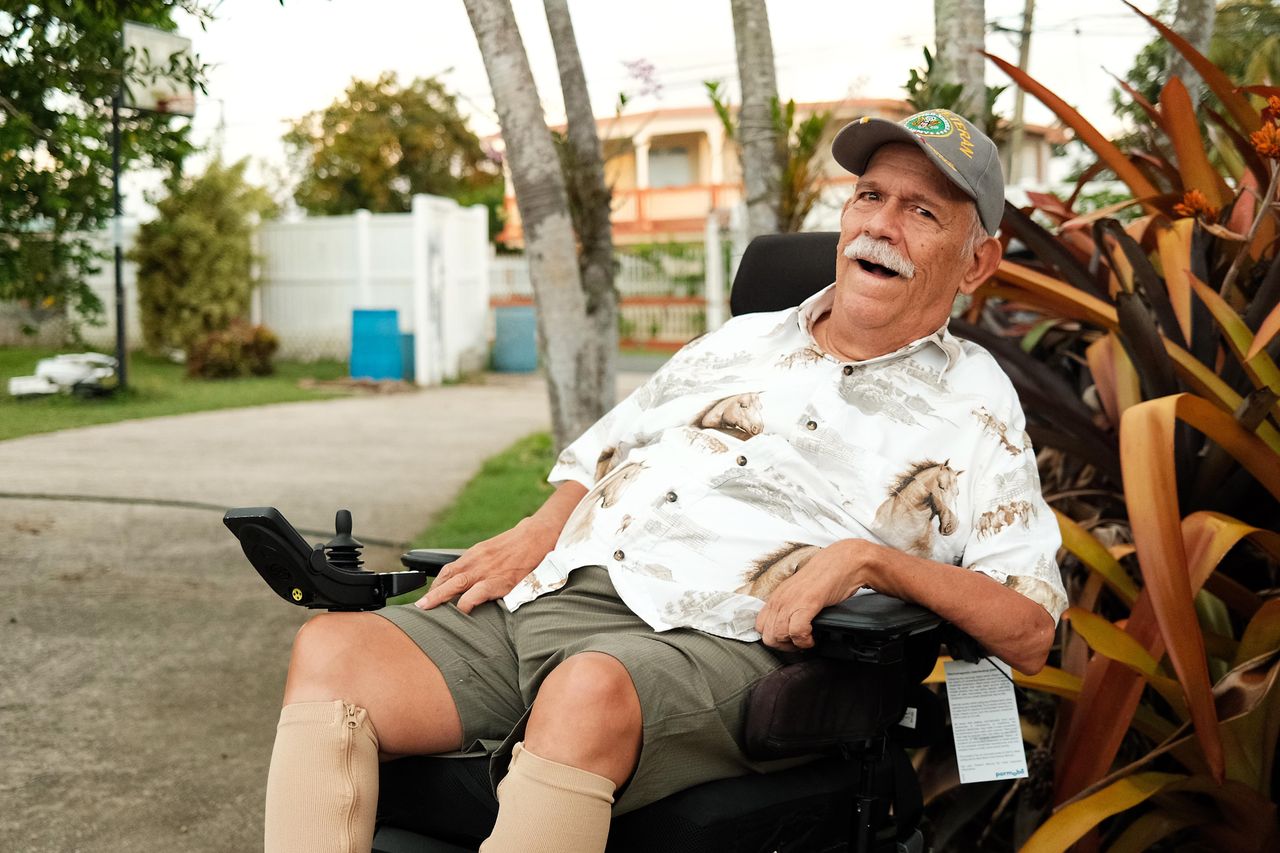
(141,658)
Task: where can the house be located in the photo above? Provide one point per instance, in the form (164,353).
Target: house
(670,168)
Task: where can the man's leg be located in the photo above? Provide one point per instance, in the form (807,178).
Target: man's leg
(357,686)
(581,743)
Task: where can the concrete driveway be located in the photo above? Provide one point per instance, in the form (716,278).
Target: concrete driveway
(141,658)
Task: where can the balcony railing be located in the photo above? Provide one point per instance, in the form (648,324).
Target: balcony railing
(657,210)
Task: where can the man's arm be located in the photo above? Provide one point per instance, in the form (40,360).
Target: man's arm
(1007,624)
(491,569)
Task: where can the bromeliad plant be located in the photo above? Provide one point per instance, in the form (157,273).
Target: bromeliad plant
(1148,370)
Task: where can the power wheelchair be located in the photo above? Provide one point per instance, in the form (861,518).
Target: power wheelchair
(855,702)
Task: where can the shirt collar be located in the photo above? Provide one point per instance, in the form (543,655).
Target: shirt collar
(942,341)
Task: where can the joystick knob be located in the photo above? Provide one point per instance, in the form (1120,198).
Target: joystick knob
(343,550)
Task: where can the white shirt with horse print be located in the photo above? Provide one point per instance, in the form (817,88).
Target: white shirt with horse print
(751,449)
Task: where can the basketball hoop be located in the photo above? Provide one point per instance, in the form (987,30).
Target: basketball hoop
(181,105)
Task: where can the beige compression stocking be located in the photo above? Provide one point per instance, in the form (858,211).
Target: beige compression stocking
(322,791)
(545,807)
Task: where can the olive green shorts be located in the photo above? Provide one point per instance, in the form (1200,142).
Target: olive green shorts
(692,686)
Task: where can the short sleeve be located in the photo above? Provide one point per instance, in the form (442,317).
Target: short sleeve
(1014,536)
(594,452)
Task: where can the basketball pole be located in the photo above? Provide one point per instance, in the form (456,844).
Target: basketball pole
(122,353)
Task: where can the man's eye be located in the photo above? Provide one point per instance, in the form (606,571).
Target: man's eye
(868,196)
(927,214)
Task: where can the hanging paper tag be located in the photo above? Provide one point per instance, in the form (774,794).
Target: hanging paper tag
(984,721)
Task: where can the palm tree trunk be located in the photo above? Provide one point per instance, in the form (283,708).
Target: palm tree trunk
(762,156)
(544,214)
(959,28)
(592,198)
(1194,22)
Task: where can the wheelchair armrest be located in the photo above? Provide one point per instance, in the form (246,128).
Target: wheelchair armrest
(304,574)
(871,627)
(430,560)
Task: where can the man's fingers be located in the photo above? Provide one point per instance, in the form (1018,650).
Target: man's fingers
(456,567)
(800,628)
(765,620)
(775,632)
(477,595)
(785,623)
(441,592)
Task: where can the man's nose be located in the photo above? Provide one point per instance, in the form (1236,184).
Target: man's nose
(885,224)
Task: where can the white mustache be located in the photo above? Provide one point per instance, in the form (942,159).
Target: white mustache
(879,252)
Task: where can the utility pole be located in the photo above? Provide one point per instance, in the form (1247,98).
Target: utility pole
(1024,57)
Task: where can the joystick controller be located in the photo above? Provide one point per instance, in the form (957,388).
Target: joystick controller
(328,576)
(343,551)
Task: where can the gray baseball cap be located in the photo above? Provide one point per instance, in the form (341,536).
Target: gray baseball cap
(951,142)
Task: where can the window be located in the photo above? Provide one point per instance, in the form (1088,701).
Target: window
(670,167)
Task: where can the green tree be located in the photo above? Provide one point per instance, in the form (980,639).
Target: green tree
(62,64)
(927,89)
(195,259)
(798,142)
(1245,44)
(380,143)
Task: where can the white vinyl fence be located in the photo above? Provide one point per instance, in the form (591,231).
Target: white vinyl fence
(430,265)
(434,266)
(669,293)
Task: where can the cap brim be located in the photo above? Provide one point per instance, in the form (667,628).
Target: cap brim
(857,141)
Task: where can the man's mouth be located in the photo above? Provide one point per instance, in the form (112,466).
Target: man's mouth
(876,269)
(878,259)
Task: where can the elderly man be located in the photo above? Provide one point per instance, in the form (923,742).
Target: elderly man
(773,467)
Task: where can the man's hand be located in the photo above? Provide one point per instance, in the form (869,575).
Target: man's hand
(490,569)
(828,577)
(1006,623)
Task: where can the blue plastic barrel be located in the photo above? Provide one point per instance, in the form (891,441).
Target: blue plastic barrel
(375,345)
(407,357)
(515,344)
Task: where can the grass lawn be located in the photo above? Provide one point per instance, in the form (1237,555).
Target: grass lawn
(510,486)
(156,387)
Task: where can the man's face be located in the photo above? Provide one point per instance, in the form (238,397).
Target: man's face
(909,218)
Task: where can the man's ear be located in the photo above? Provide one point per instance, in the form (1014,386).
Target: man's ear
(986,258)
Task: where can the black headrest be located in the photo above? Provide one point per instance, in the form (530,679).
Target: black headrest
(780,271)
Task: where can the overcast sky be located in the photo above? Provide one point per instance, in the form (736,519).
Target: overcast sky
(272,63)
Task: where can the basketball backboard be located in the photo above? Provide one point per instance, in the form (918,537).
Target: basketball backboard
(154,64)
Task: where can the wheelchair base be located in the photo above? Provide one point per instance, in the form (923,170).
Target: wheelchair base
(392,840)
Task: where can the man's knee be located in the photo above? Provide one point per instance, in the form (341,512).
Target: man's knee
(324,639)
(587,715)
(365,660)
(584,684)
(589,700)
(331,653)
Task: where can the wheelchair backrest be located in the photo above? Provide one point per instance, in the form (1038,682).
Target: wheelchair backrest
(780,271)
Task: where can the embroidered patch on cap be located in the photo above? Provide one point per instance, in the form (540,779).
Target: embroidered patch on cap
(929,124)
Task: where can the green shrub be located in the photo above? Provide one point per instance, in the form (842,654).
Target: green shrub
(238,350)
(195,259)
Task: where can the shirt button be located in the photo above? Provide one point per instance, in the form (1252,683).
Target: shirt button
(742,460)
(618,555)
(671,497)
(811,425)
(848,370)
